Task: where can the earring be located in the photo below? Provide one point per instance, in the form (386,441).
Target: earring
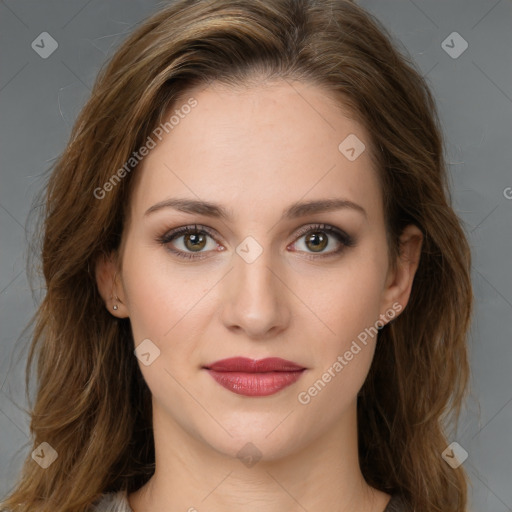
(115,306)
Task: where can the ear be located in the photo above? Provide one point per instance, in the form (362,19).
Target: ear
(110,287)
(399,280)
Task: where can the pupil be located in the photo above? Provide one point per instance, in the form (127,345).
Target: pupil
(197,241)
(319,241)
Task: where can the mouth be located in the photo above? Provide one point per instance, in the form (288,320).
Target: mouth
(252,377)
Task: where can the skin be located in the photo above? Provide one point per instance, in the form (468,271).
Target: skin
(256,150)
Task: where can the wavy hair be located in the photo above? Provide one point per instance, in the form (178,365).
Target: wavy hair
(92,404)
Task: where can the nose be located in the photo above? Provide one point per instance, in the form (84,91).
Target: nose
(256,297)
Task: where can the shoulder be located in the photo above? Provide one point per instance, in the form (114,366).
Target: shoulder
(397,504)
(112,502)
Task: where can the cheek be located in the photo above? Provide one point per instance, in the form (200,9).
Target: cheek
(164,303)
(347,306)
(346,301)
(160,295)
(329,391)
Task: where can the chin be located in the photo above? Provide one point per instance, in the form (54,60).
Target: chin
(251,443)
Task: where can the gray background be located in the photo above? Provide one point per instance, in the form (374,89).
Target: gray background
(40,98)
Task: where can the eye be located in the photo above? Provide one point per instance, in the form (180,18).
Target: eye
(318,237)
(194,240)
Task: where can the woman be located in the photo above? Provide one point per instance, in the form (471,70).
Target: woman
(258,293)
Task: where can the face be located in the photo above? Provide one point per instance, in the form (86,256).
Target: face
(268,279)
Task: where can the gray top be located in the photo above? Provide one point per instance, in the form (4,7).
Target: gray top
(118,502)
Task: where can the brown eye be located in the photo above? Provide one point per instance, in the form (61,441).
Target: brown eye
(322,240)
(189,241)
(316,241)
(194,241)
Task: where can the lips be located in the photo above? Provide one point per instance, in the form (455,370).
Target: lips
(243,364)
(251,377)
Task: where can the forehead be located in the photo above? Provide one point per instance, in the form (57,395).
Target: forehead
(258,147)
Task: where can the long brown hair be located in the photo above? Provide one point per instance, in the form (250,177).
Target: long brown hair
(92,404)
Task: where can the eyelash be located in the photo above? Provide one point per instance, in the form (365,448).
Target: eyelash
(342,237)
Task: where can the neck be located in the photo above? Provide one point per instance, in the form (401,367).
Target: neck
(192,476)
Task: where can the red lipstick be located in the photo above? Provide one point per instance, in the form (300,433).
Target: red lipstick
(252,377)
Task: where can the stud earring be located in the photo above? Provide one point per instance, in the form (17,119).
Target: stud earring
(115,307)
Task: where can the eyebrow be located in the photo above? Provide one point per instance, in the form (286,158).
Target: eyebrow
(298,209)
